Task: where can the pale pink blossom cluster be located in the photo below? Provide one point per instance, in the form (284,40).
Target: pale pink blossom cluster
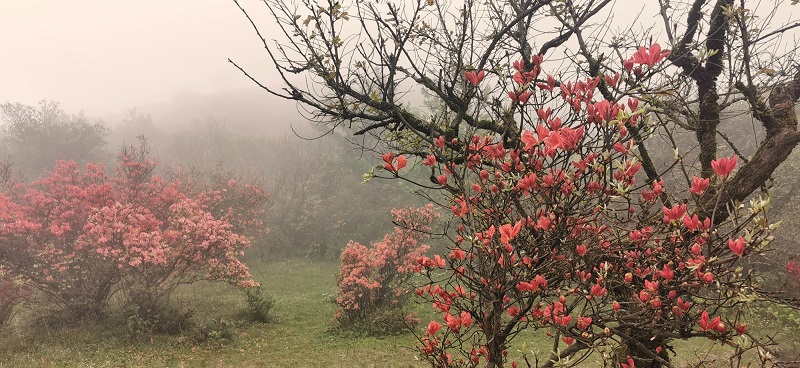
(76,234)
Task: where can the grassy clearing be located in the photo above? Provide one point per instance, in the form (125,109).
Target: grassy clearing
(301,336)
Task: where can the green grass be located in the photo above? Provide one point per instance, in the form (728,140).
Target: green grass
(302,335)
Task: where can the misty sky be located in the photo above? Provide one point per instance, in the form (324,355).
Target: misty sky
(105,56)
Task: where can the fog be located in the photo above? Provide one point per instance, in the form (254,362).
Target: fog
(157,209)
(166,59)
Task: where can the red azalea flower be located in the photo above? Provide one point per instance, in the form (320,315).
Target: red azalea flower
(521,98)
(737,246)
(507,232)
(724,166)
(650,56)
(699,185)
(629,363)
(705,324)
(433,327)
(674,214)
(475,77)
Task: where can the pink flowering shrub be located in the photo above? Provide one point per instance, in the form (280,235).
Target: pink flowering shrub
(78,236)
(373,280)
(225,196)
(39,242)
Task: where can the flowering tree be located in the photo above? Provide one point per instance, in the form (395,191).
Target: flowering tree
(567,220)
(558,234)
(375,279)
(78,236)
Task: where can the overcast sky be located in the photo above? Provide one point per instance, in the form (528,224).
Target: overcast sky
(105,56)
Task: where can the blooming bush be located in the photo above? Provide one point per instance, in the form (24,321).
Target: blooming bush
(226,196)
(77,236)
(40,238)
(373,280)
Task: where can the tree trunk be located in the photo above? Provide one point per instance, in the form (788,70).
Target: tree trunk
(642,349)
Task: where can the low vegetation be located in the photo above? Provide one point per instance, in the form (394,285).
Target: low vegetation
(302,332)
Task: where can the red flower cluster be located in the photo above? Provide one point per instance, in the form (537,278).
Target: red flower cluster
(554,232)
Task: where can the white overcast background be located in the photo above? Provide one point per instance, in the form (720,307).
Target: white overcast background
(104,57)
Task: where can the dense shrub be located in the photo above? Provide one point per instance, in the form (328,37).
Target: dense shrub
(161,318)
(259,305)
(373,280)
(42,223)
(216,330)
(77,236)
